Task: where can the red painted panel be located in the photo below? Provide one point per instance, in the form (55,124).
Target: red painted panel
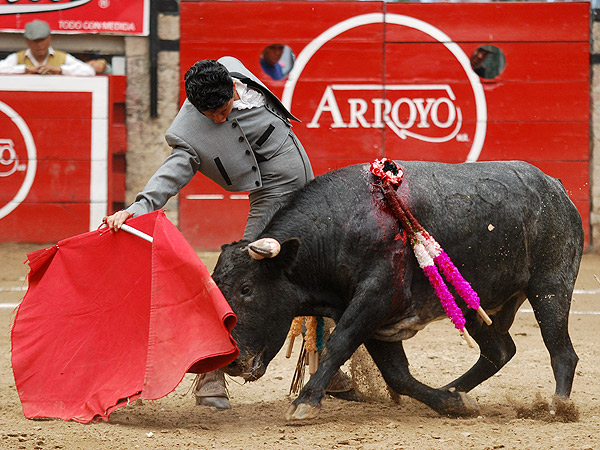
(574,175)
(291,23)
(333,132)
(117,145)
(534,141)
(333,61)
(298,21)
(118,138)
(126,18)
(530,141)
(525,61)
(583,206)
(44,222)
(326,164)
(511,101)
(412,149)
(45,108)
(118,88)
(209,214)
(498,22)
(55,181)
(538,101)
(51,145)
(118,187)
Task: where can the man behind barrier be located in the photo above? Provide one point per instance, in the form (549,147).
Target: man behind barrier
(40,58)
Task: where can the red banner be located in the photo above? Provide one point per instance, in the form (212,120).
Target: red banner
(78,16)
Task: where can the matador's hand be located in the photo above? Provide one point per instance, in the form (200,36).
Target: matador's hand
(117,219)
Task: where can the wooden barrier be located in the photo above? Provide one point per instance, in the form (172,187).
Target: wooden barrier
(63,142)
(375,79)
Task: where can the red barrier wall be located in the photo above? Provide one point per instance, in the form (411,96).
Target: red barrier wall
(58,138)
(376,79)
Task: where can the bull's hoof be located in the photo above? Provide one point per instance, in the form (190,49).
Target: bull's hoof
(471,408)
(302,411)
(459,405)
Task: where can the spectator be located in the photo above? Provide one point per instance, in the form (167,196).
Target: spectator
(101,66)
(477,59)
(40,58)
(269,61)
(487,61)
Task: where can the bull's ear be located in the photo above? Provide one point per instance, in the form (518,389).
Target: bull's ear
(288,253)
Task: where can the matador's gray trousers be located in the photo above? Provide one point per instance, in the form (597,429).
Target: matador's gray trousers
(287,171)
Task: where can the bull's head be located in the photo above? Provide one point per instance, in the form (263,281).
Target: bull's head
(254,278)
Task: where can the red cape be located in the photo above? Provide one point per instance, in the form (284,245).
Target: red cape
(109,318)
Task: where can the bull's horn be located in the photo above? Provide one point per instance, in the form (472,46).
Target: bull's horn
(264,248)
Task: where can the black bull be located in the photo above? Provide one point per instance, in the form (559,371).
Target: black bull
(510,229)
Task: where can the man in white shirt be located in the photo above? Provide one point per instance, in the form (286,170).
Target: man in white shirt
(40,58)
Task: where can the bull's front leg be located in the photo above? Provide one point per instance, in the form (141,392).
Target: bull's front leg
(368,308)
(393,365)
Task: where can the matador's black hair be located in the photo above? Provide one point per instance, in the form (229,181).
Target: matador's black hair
(208,85)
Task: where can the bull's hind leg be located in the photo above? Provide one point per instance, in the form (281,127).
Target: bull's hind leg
(393,365)
(551,302)
(496,347)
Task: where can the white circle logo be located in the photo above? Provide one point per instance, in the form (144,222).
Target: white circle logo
(394,122)
(9,160)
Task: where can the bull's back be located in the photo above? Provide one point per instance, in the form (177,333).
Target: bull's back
(498,208)
(499,220)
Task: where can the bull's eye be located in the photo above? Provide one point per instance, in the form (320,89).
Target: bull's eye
(246,290)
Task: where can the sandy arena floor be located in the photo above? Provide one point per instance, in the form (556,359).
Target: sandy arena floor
(513,403)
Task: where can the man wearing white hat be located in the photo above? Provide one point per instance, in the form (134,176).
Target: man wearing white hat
(40,58)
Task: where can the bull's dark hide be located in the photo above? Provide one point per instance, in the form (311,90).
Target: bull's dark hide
(510,229)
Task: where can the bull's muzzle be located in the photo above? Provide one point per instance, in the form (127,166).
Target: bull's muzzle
(249,368)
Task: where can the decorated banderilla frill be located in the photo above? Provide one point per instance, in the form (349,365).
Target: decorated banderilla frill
(428,251)
(312,343)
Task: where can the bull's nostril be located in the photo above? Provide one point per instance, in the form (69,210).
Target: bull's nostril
(233,368)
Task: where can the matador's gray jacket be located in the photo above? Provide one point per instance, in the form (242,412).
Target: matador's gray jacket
(227,153)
